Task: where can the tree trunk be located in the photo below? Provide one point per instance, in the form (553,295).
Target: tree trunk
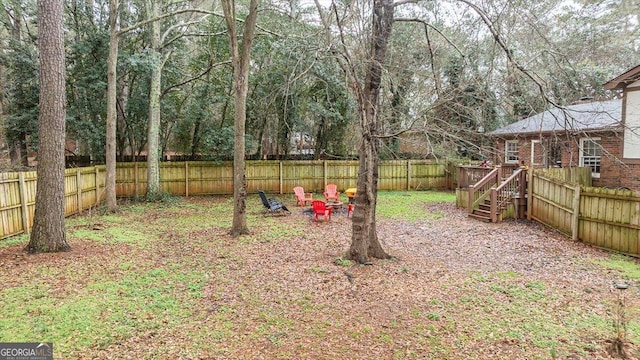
(124,143)
(48,233)
(364,241)
(153,130)
(239,225)
(110,146)
(241,57)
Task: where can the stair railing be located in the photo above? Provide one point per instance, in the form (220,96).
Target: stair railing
(511,188)
(479,191)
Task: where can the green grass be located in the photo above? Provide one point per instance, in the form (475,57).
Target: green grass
(411,205)
(628,267)
(501,306)
(100,313)
(343,262)
(14,240)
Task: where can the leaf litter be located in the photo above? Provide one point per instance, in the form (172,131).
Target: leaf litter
(456,288)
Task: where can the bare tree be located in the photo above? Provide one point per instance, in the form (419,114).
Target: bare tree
(364,241)
(153,126)
(364,238)
(110,146)
(241,54)
(48,233)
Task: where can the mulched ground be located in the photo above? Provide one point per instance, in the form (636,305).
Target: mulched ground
(368,312)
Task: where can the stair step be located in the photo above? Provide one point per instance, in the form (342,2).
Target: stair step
(482,212)
(480,217)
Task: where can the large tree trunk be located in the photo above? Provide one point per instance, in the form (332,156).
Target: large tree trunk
(239,225)
(364,241)
(110,146)
(48,233)
(241,57)
(153,130)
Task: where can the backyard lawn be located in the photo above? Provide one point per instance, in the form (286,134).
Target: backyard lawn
(166,281)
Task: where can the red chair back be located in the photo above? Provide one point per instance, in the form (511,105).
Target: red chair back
(320,208)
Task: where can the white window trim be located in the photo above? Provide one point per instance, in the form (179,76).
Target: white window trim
(506,152)
(533,154)
(595,175)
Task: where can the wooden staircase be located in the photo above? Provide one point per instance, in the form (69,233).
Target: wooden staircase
(489,197)
(482,212)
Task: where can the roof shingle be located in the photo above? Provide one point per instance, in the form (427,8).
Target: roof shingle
(599,115)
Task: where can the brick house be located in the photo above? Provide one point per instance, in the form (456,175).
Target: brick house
(604,135)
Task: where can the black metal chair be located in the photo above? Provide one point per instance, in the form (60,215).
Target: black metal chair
(273,206)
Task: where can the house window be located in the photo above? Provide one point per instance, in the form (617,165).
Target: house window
(590,154)
(511,152)
(538,153)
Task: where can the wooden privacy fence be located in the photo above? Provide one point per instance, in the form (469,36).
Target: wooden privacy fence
(610,218)
(606,218)
(206,178)
(83,189)
(554,203)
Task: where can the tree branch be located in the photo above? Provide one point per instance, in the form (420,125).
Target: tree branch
(503,45)
(427,25)
(403,2)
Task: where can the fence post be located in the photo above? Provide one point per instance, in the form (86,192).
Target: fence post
(98,192)
(522,191)
(408,175)
(462,183)
(135,179)
(280,176)
(324,175)
(494,205)
(470,199)
(530,193)
(186,178)
(23,203)
(575,218)
(79,189)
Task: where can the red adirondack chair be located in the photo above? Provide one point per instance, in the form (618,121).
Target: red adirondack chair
(331,193)
(302,198)
(320,208)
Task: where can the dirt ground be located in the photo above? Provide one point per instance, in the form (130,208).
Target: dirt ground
(435,261)
(457,289)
